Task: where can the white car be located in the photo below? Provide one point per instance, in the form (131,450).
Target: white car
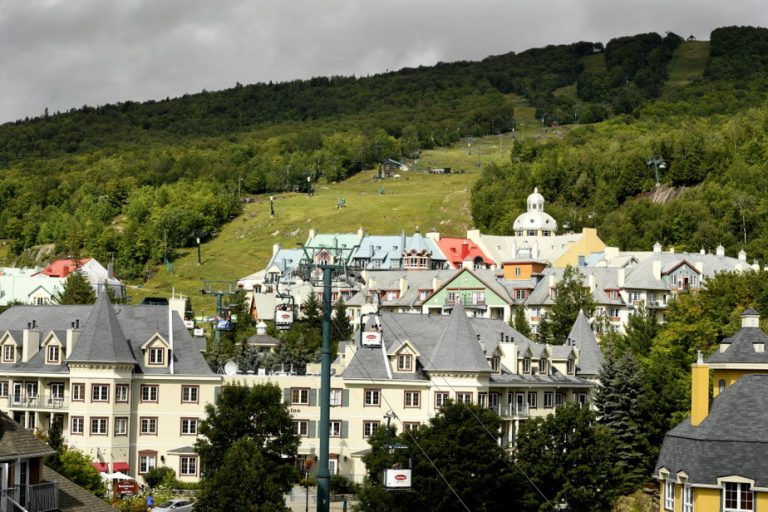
(175,505)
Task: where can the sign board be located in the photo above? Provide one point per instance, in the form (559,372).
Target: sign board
(371,339)
(199,331)
(397,478)
(125,487)
(189,324)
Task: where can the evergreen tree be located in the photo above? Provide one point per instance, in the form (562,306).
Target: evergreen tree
(76,290)
(520,323)
(570,297)
(312,311)
(617,401)
(56,442)
(341,328)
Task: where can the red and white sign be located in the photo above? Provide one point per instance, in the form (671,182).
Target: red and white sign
(399,478)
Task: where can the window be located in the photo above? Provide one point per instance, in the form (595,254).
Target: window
(189,426)
(99,392)
(495,364)
(57,390)
(98,426)
(9,353)
(121,426)
(53,354)
(532,399)
(78,392)
(721,385)
(188,466)
(190,394)
(737,497)
(526,365)
(613,312)
(440,398)
(149,393)
(121,392)
(148,426)
(548,399)
(521,294)
(543,366)
(412,399)
(482,399)
(300,396)
(337,398)
(369,427)
(518,271)
(581,398)
(669,494)
(372,397)
(147,461)
(464,398)
(78,425)
(156,356)
(424,294)
(687,498)
(410,426)
(334,428)
(3,388)
(302,427)
(559,399)
(571,367)
(404,362)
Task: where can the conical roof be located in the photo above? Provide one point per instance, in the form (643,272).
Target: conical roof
(457,348)
(102,339)
(582,337)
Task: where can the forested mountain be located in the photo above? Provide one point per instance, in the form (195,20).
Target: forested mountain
(140,180)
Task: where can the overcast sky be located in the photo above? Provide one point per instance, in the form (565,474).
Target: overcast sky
(61,54)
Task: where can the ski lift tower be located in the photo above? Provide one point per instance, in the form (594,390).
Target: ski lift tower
(313,273)
(220,289)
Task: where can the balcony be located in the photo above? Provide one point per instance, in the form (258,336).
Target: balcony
(42,497)
(466,301)
(511,410)
(25,401)
(656,304)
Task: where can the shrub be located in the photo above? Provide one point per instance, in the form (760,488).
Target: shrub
(342,485)
(164,476)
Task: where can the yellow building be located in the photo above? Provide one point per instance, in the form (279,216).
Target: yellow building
(717,460)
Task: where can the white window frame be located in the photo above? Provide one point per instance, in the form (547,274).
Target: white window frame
(372,397)
(121,393)
(440,398)
(146,463)
(189,426)
(334,428)
(156,356)
(302,427)
(78,425)
(404,362)
(9,353)
(149,392)
(99,392)
(190,394)
(370,427)
(687,497)
(148,426)
(741,489)
(78,392)
(188,465)
(101,425)
(412,399)
(337,397)
(4,387)
(669,494)
(53,354)
(57,390)
(121,426)
(299,396)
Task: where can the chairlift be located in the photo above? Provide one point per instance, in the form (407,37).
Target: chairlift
(370,331)
(284,313)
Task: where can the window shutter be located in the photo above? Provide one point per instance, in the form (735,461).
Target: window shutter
(312,429)
(287,395)
(312,398)
(344,429)
(345,398)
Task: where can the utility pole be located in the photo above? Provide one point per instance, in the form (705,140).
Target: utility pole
(323,473)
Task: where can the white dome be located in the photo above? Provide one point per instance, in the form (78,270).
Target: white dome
(535,219)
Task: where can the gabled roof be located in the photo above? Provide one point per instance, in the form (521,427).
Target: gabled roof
(458,250)
(456,349)
(582,337)
(102,339)
(741,347)
(62,268)
(730,441)
(15,441)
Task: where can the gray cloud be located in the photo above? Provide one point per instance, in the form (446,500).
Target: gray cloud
(62,54)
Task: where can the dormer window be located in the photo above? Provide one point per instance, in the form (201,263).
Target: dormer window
(156,356)
(571,367)
(527,365)
(543,366)
(53,354)
(9,354)
(404,362)
(495,364)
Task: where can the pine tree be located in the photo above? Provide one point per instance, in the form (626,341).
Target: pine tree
(570,297)
(76,290)
(312,311)
(341,328)
(520,323)
(56,442)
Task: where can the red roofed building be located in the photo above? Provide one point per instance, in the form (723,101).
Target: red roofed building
(463,253)
(94,272)
(62,268)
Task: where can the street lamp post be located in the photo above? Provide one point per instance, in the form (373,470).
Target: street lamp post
(657,162)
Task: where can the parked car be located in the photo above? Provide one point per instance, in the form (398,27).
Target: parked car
(176,505)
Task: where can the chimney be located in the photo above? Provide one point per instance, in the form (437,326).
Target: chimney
(170,339)
(275,249)
(742,255)
(436,283)
(755,266)
(403,286)
(433,235)
(720,251)
(750,318)
(657,248)
(482,343)
(72,337)
(657,269)
(360,233)
(30,344)
(468,264)
(620,276)
(699,391)
(591,282)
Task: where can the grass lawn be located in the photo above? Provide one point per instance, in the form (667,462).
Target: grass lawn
(687,64)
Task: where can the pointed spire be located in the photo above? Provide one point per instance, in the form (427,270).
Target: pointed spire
(457,348)
(582,337)
(102,339)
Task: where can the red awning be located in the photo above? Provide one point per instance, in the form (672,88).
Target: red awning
(120,466)
(103,467)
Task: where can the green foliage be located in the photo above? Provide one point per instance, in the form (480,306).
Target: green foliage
(76,466)
(341,328)
(343,485)
(519,322)
(571,297)
(258,418)
(56,442)
(162,475)
(568,456)
(76,290)
(242,482)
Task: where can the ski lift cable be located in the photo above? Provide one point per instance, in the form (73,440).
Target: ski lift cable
(421,448)
(480,422)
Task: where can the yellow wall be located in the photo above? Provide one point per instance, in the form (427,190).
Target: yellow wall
(585,246)
(699,393)
(761,501)
(729,376)
(706,500)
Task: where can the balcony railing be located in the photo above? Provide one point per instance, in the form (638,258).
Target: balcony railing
(37,401)
(511,410)
(43,497)
(468,301)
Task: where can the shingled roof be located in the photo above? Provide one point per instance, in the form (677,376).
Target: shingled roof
(102,339)
(452,352)
(582,337)
(17,442)
(730,441)
(746,346)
